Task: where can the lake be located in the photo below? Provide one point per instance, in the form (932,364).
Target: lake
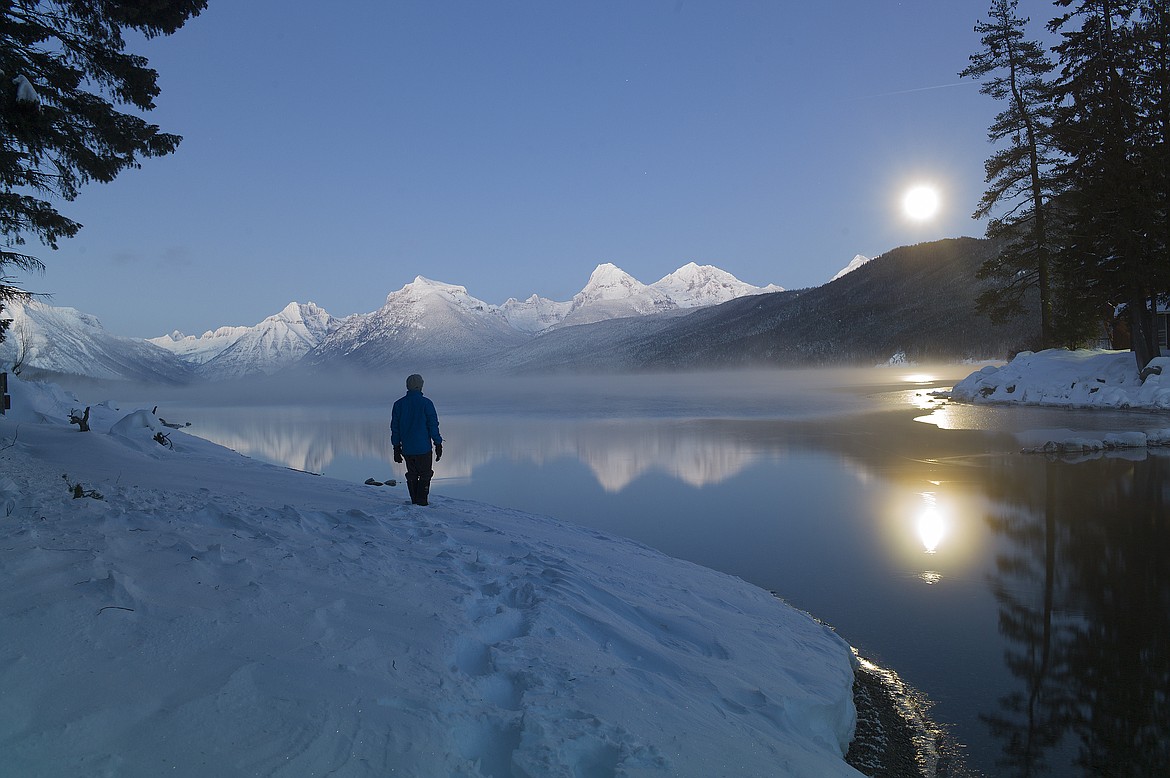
(1027,597)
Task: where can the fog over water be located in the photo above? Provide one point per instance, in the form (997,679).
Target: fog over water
(911,524)
(620,426)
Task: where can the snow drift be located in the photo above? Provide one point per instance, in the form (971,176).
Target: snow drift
(199,613)
(1083,378)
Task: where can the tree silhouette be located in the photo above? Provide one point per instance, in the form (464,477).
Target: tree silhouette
(64,72)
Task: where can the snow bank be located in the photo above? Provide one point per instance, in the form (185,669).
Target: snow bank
(212,615)
(1082,378)
(1075,379)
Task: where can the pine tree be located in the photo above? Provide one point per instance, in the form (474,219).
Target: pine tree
(1153,99)
(1114,144)
(64,73)
(1020,177)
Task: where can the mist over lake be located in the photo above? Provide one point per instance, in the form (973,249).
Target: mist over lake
(912,525)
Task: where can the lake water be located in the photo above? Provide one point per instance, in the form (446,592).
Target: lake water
(1028,598)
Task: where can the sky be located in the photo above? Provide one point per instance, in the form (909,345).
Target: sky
(332,154)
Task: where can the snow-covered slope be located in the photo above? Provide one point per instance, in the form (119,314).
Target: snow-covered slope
(854,263)
(535,314)
(65,340)
(425,323)
(197,349)
(199,613)
(612,293)
(696,286)
(275,343)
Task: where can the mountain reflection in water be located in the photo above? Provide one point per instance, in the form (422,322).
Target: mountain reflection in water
(1027,597)
(616,451)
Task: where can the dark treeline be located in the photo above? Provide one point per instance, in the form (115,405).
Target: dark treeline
(1080,181)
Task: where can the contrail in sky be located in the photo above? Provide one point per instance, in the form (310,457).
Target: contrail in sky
(917,89)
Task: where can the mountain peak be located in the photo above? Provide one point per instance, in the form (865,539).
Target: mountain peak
(300,313)
(694,285)
(607,271)
(610,282)
(422,286)
(422,282)
(854,263)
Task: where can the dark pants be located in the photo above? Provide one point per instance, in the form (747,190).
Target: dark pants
(418,476)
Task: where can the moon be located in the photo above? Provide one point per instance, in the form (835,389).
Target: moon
(920,202)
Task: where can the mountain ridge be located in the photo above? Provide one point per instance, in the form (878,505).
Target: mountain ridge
(914,303)
(434,323)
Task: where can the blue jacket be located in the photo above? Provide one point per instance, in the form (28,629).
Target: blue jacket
(414,423)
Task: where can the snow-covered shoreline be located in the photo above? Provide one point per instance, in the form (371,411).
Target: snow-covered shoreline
(1085,378)
(1081,379)
(202,613)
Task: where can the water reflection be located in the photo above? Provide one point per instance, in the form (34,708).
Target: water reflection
(617,451)
(1083,587)
(931,524)
(932,528)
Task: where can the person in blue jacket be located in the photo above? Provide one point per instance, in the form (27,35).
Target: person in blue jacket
(414,424)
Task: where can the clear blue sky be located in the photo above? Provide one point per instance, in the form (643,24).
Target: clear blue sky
(333,152)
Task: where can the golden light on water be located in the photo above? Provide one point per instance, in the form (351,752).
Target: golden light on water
(923,401)
(935,532)
(932,525)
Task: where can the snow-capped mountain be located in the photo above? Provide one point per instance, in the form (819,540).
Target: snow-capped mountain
(202,348)
(612,293)
(854,263)
(65,340)
(535,314)
(426,323)
(275,343)
(432,323)
(696,286)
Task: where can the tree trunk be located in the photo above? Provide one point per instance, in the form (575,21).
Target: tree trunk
(1141,322)
(82,422)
